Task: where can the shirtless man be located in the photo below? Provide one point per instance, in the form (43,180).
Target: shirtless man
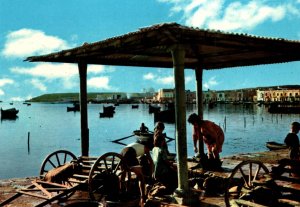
(211,134)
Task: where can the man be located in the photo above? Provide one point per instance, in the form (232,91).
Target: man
(292,141)
(211,134)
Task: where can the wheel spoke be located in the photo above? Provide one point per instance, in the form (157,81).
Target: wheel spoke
(53,165)
(250,175)
(256,173)
(117,167)
(244,177)
(57,158)
(65,158)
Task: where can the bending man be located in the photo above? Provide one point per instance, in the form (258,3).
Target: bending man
(211,134)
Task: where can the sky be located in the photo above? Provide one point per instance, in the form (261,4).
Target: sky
(37,27)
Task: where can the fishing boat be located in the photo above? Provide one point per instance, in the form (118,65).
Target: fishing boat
(108,112)
(109,109)
(167,116)
(135,106)
(284,109)
(275,145)
(143,135)
(153,108)
(75,107)
(9,113)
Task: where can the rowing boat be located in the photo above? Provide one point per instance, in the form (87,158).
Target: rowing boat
(275,145)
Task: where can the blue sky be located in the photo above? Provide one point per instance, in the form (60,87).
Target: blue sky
(36,27)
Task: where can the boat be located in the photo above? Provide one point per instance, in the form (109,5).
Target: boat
(9,113)
(284,109)
(108,112)
(153,109)
(135,106)
(75,107)
(109,109)
(143,135)
(167,116)
(276,145)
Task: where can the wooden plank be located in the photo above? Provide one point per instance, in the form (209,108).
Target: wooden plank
(52,184)
(288,201)
(248,203)
(48,194)
(34,194)
(80,176)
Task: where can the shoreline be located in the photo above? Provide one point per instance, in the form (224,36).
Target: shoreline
(269,158)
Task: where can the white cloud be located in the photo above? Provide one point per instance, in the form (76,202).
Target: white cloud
(67,73)
(210,83)
(1,92)
(5,81)
(26,42)
(48,70)
(38,84)
(239,16)
(53,71)
(232,15)
(188,79)
(99,82)
(169,80)
(17,98)
(96,69)
(148,76)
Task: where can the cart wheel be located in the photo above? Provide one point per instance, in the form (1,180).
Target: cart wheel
(241,180)
(56,159)
(109,177)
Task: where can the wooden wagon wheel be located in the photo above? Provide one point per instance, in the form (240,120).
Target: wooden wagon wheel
(56,159)
(109,177)
(241,180)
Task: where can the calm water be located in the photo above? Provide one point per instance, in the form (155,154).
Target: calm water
(51,128)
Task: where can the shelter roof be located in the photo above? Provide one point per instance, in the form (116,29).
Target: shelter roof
(206,49)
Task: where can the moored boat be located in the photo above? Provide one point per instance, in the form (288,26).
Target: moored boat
(153,108)
(75,107)
(135,106)
(275,145)
(167,116)
(9,113)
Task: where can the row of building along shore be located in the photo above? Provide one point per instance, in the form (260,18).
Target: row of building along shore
(286,93)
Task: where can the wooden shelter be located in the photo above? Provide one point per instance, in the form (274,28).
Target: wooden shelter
(171,45)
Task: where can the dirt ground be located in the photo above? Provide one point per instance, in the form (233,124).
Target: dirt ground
(8,187)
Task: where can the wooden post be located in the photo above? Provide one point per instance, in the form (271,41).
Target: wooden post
(83,109)
(178,55)
(199,96)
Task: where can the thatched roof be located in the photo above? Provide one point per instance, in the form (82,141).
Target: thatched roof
(151,47)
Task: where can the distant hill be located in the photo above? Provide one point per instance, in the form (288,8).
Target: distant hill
(62,97)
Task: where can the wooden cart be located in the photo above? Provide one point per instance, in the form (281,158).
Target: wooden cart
(106,176)
(252,184)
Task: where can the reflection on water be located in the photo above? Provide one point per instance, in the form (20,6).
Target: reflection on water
(43,128)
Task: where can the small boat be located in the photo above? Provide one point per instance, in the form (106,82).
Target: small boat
(167,116)
(106,114)
(135,106)
(153,109)
(9,113)
(143,135)
(284,109)
(75,107)
(109,109)
(276,146)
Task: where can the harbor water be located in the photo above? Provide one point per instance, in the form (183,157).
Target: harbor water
(42,128)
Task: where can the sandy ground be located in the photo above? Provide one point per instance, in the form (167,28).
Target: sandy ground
(8,187)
